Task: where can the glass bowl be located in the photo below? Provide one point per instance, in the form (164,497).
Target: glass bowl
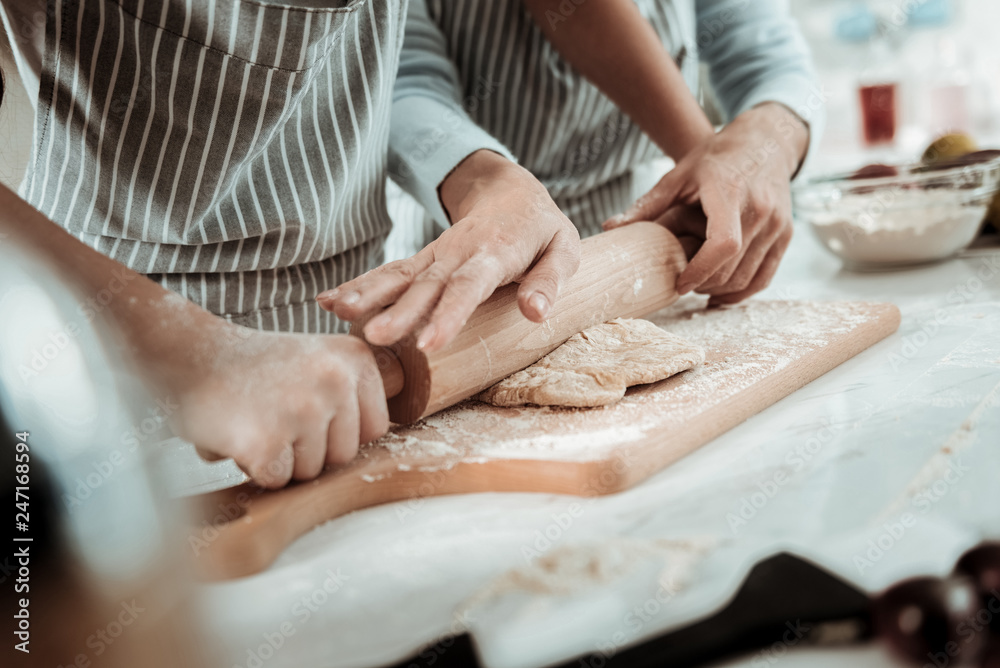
(912,214)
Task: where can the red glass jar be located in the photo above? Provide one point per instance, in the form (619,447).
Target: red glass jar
(878,113)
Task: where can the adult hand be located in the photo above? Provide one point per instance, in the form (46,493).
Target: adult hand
(507,230)
(281,405)
(740,180)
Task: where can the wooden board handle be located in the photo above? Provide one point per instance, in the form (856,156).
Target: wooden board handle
(625,273)
(272,520)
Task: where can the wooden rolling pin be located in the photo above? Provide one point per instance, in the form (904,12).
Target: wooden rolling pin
(625,273)
(628,272)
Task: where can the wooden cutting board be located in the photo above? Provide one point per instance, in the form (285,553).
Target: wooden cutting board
(757,353)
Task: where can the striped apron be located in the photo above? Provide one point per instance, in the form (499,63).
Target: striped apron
(560,127)
(234,150)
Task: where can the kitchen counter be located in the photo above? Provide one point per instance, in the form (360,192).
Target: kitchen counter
(907,430)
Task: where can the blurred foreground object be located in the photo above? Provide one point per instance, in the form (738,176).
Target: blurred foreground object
(100,579)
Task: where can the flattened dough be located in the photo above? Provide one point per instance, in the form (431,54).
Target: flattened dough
(595,367)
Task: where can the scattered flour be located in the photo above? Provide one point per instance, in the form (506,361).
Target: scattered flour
(744,343)
(571,568)
(940,462)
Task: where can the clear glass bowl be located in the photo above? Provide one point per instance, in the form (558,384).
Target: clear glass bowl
(921,214)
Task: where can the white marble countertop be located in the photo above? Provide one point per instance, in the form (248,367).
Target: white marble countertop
(854,451)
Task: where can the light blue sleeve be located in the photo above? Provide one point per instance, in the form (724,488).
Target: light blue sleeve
(430,132)
(756,53)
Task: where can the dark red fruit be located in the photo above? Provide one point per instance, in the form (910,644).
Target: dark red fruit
(982,565)
(984,155)
(991,659)
(876,171)
(966,160)
(925,620)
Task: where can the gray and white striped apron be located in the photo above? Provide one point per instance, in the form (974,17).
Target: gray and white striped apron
(560,127)
(233,150)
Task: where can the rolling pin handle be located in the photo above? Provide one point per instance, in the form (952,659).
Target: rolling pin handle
(391,370)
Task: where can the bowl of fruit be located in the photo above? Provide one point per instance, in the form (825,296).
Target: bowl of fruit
(886,216)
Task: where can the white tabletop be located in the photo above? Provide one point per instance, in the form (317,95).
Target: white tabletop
(908,429)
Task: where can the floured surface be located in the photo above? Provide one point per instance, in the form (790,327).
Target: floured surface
(571,568)
(745,345)
(416,563)
(596,366)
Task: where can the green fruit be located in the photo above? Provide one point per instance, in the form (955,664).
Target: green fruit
(948,147)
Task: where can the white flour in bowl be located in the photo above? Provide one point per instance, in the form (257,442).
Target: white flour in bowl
(899,225)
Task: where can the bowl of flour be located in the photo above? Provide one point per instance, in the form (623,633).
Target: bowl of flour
(891,216)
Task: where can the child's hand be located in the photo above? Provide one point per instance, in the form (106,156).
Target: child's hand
(507,229)
(281,405)
(741,180)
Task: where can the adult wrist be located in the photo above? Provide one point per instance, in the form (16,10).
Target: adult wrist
(479,170)
(789,130)
(677,141)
